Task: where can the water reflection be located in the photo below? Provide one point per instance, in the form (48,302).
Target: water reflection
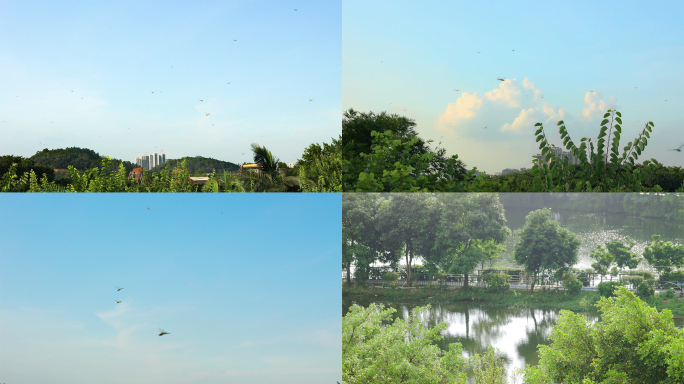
(515,332)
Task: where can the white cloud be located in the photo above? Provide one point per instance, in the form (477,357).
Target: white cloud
(595,106)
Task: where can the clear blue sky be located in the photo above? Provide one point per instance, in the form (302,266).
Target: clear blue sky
(247,286)
(421,60)
(82,74)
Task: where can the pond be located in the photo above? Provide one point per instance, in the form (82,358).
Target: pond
(515,332)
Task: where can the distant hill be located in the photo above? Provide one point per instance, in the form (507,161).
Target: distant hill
(199,165)
(79,158)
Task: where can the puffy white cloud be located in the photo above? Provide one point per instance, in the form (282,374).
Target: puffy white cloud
(595,106)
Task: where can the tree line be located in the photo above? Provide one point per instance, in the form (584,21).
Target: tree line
(456,233)
(319,170)
(383,153)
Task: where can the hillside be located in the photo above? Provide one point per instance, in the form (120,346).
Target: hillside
(199,165)
(79,158)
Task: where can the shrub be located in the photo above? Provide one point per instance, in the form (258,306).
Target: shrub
(633,280)
(645,290)
(390,277)
(497,282)
(669,294)
(571,284)
(607,288)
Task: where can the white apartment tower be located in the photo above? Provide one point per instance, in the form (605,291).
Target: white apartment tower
(150,161)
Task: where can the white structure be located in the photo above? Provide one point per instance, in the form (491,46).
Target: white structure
(150,161)
(560,154)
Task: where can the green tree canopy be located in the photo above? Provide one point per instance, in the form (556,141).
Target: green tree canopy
(544,245)
(383,153)
(470,228)
(360,238)
(402,352)
(664,255)
(407,223)
(632,343)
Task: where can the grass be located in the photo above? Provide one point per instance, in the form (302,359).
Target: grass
(548,299)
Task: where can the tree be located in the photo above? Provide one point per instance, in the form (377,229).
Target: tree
(320,169)
(621,254)
(383,153)
(631,343)
(664,255)
(407,223)
(270,177)
(470,230)
(360,239)
(603,260)
(402,352)
(544,245)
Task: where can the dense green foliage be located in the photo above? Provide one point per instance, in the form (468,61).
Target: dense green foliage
(404,351)
(632,343)
(660,205)
(497,282)
(102,174)
(451,232)
(320,168)
(471,230)
(664,255)
(383,153)
(571,284)
(198,166)
(79,158)
(598,173)
(25,165)
(607,288)
(544,245)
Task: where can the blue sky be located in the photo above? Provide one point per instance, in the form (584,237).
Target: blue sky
(247,287)
(82,74)
(421,60)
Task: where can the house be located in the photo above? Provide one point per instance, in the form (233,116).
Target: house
(138,173)
(249,167)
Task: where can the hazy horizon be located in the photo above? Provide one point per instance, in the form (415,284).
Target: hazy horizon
(439,63)
(190,78)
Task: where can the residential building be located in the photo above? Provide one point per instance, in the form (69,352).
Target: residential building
(560,153)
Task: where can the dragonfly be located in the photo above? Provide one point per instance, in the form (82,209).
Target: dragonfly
(678,149)
(504,79)
(118,287)
(162,332)
(117,301)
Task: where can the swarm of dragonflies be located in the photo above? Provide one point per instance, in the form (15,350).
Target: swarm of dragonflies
(161,331)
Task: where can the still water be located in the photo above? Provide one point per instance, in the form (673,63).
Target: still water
(515,332)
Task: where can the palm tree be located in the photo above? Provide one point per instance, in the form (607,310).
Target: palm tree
(270,177)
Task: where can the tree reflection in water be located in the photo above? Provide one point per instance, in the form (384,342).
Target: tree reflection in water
(515,332)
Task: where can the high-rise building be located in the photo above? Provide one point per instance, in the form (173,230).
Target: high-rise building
(150,161)
(560,154)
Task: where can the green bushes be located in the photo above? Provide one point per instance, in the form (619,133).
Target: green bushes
(669,294)
(645,290)
(631,343)
(571,284)
(607,288)
(497,282)
(390,277)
